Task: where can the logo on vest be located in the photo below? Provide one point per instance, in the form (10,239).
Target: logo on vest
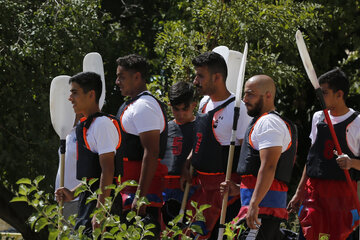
(324,236)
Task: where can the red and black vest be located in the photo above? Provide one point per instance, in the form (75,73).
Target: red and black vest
(131,148)
(88,164)
(249,163)
(209,156)
(179,144)
(321,161)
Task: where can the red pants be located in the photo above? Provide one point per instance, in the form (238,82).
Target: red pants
(329,210)
(209,193)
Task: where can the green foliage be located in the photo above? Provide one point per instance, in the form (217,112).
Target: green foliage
(47,215)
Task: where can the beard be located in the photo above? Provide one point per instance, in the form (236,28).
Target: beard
(256,108)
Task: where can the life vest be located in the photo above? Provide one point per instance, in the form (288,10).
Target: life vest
(321,161)
(88,164)
(179,144)
(249,163)
(131,148)
(274,202)
(209,156)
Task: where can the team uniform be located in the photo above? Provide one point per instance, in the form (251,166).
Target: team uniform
(329,208)
(70,180)
(179,144)
(213,128)
(268,130)
(141,114)
(98,134)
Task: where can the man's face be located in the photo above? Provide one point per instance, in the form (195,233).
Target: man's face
(253,100)
(124,80)
(79,99)
(183,114)
(204,81)
(330,97)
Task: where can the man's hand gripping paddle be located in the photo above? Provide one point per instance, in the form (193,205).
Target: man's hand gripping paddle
(239,86)
(312,76)
(62,118)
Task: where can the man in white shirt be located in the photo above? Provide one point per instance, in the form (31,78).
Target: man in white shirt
(213,127)
(265,163)
(327,206)
(98,141)
(144,135)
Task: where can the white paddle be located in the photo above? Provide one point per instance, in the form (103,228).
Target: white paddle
(62,118)
(93,63)
(233,61)
(239,86)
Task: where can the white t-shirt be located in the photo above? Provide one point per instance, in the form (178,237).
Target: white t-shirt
(270,131)
(143,115)
(70,180)
(352,131)
(102,136)
(223,120)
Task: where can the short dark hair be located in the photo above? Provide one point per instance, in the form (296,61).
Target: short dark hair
(88,81)
(337,80)
(181,92)
(214,61)
(136,63)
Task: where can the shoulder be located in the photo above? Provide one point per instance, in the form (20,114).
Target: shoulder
(204,100)
(316,117)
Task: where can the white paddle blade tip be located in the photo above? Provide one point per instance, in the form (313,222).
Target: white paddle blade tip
(305,57)
(61,111)
(223,51)
(93,63)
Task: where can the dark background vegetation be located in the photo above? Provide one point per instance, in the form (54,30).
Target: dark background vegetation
(40,40)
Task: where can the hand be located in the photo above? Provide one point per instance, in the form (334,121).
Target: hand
(295,202)
(94,223)
(64,194)
(139,211)
(252,220)
(344,161)
(229,186)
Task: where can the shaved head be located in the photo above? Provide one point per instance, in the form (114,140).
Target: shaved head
(259,95)
(263,84)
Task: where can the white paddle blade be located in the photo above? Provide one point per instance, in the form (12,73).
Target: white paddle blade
(61,111)
(233,65)
(241,76)
(223,51)
(306,59)
(93,63)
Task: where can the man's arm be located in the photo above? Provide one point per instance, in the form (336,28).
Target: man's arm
(269,158)
(150,141)
(106,178)
(298,197)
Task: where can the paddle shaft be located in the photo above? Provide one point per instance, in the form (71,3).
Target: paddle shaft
(186,195)
(62,170)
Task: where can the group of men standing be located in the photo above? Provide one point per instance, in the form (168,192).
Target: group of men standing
(140,144)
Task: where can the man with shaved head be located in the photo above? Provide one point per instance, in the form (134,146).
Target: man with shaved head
(265,163)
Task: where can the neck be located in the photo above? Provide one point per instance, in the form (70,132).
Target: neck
(92,110)
(339,110)
(138,91)
(220,95)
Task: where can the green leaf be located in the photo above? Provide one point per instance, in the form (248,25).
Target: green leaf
(92,181)
(130,216)
(38,179)
(196,228)
(203,207)
(40,224)
(23,181)
(19,199)
(194,204)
